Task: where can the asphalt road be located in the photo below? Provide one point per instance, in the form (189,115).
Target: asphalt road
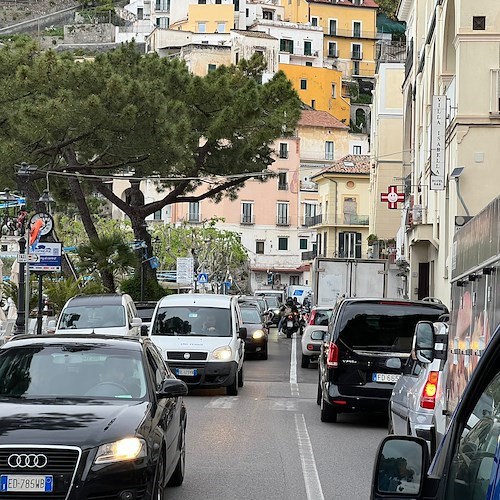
(268,443)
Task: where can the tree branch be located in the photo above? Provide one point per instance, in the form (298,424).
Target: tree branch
(212,192)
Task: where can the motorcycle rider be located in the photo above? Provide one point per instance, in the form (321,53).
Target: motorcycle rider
(288,308)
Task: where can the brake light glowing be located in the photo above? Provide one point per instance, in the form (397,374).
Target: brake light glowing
(332,360)
(428,399)
(312,316)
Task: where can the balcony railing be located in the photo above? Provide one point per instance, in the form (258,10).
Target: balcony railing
(356,220)
(357,55)
(283,186)
(283,220)
(333,53)
(353,34)
(309,220)
(194,217)
(309,255)
(314,221)
(247,219)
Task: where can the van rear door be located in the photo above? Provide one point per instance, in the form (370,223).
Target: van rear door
(374,340)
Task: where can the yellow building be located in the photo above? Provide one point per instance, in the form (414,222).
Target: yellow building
(350,30)
(320,88)
(343,223)
(218,18)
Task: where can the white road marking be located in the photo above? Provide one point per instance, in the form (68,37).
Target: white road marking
(294,387)
(287,405)
(309,470)
(222,402)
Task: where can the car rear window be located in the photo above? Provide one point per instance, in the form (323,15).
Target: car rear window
(321,318)
(371,326)
(94,316)
(250,316)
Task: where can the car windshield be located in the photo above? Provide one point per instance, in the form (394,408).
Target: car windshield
(71,371)
(250,316)
(372,326)
(97,316)
(193,320)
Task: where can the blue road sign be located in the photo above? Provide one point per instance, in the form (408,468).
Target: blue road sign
(202,278)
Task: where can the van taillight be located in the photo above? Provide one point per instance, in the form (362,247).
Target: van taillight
(428,399)
(312,316)
(332,360)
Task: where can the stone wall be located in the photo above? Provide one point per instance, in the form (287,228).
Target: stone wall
(89,33)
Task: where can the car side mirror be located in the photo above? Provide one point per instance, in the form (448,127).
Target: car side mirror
(424,342)
(400,467)
(242,334)
(144,330)
(171,388)
(136,322)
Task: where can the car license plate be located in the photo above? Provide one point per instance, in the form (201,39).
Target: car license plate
(26,484)
(187,372)
(289,324)
(385,377)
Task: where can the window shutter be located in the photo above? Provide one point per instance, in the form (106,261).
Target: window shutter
(358,246)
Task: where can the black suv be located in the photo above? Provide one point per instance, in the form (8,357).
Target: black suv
(363,353)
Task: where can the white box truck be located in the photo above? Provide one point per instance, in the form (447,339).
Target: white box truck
(333,278)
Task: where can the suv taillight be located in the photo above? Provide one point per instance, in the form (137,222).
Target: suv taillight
(311,317)
(332,359)
(428,399)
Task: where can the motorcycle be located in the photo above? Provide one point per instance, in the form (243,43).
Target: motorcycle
(291,324)
(304,318)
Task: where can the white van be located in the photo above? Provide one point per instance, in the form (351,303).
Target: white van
(202,339)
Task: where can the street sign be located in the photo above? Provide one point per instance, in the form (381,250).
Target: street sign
(185,270)
(23,258)
(49,257)
(202,278)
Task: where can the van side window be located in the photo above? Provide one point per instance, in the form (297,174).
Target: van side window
(474,456)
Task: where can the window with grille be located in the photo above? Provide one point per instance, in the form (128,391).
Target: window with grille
(283,214)
(259,247)
(329,150)
(283,243)
(333,27)
(283,150)
(246,212)
(194,211)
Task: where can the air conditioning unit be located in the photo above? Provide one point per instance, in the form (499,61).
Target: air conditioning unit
(417,214)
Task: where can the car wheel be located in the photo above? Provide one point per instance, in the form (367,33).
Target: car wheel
(319,394)
(177,477)
(328,414)
(240,378)
(232,389)
(263,354)
(304,362)
(159,486)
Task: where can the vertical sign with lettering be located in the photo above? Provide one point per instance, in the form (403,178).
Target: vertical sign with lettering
(438,131)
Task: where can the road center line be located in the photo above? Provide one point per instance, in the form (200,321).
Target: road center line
(294,387)
(309,471)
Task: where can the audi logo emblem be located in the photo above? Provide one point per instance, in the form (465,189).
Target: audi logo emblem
(187,355)
(27,461)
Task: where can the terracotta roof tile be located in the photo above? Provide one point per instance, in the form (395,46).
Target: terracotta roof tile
(315,118)
(255,34)
(350,164)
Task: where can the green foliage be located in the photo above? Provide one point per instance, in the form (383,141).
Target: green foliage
(152,290)
(388,7)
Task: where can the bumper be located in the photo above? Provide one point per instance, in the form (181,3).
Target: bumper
(212,375)
(356,403)
(255,347)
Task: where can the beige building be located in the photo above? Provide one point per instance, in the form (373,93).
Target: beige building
(343,223)
(451,130)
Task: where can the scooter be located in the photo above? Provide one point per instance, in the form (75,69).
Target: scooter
(291,324)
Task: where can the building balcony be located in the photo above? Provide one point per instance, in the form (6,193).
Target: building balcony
(356,220)
(309,220)
(247,219)
(333,53)
(282,221)
(356,55)
(358,35)
(310,255)
(194,218)
(283,186)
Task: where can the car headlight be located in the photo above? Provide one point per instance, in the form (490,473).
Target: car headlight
(222,353)
(119,451)
(258,334)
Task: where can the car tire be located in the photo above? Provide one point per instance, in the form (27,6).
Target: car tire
(328,414)
(159,480)
(240,378)
(319,394)
(177,477)
(263,355)
(304,362)
(232,389)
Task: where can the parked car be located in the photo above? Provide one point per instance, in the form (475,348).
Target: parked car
(145,310)
(257,332)
(103,417)
(362,356)
(418,392)
(312,338)
(466,463)
(202,338)
(110,313)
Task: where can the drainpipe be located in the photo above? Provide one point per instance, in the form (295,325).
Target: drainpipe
(335,211)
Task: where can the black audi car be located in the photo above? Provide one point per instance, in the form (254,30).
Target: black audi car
(89,417)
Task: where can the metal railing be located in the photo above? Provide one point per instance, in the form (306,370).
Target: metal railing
(309,255)
(283,186)
(357,55)
(247,219)
(283,220)
(356,220)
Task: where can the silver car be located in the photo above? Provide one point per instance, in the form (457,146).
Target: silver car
(415,408)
